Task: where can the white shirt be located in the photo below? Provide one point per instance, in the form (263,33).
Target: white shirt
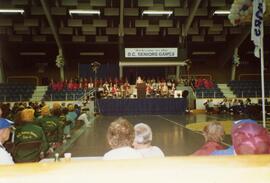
(122,153)
(84,118)
(151,152)
(5,157)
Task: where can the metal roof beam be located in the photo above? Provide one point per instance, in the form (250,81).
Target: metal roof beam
(193,10)
(227,54)
(51,23)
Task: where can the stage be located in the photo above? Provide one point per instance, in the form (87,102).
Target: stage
(151,106)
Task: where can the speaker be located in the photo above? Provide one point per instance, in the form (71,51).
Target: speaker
(141,90)
(185,94)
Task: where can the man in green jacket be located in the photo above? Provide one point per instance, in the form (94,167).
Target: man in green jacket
(51,125)
(29,132)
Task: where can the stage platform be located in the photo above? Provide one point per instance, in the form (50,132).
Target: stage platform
(151,106)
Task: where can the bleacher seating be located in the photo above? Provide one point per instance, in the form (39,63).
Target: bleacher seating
(249,88)
(214,92)
(16,92)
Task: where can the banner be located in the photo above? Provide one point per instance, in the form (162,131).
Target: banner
(151,52)
(257,26)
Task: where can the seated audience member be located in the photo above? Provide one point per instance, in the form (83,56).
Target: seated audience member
(71,117)
(50,125)
(209,106)
(71,85)
(5,126)
(5,111)
(120,136)
(142,142)
(84,117)
(28,131)
(164,90)
(235,107)
(224,105)
(248,138)
(213,134)
(56,111)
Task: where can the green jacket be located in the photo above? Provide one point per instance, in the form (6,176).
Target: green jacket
(52,128)
(26,133)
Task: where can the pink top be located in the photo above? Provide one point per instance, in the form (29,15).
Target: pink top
(208,148)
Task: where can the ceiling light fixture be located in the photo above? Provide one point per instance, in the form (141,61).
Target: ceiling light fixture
(156,12)
(203,53)
(32,53)
(91,53)
(222,12)
(21,11)
(84,12)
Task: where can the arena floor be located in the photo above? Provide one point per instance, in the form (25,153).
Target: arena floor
(169,133)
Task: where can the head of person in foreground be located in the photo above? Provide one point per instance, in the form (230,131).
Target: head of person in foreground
(143,136)
(250,138)
(5,129)
(213,132)
(120,133)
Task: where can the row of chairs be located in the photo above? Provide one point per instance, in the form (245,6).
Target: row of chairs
(249,88)
(59,97)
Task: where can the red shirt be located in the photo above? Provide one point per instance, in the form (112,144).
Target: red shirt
(208,148)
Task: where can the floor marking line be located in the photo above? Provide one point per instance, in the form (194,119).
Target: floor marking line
(196,132)
(174,122)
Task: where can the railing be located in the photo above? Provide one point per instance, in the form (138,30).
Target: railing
(88,93)
(196,76)
(245,93)
(5,98)
(252,76)
(205,95)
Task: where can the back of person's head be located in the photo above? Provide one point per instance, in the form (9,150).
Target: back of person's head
(250,138)
(214,132)
(45,110)
(5,110)
(27,115)
(143,134)
(56,105)
(70,107)
(120,133)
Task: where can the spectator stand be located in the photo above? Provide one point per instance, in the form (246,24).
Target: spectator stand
(249,88)
(16,92)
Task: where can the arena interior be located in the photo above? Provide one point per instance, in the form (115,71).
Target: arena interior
(81,79)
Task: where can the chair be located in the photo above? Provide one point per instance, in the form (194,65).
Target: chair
(9,146)
(27,152)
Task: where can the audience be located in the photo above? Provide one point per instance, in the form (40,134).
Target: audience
(248,138)
(142,142)
(213,134)
(120,136)
(5,128)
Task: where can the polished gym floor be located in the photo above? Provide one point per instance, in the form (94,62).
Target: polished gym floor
(169,133)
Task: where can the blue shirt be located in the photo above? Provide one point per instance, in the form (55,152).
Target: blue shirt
(229,151)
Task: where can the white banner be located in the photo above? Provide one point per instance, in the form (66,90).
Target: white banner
(257,25)
(151,52)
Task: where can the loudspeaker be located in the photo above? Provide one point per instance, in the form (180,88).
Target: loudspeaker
(185,94)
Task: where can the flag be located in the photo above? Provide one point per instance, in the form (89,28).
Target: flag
(257,26)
